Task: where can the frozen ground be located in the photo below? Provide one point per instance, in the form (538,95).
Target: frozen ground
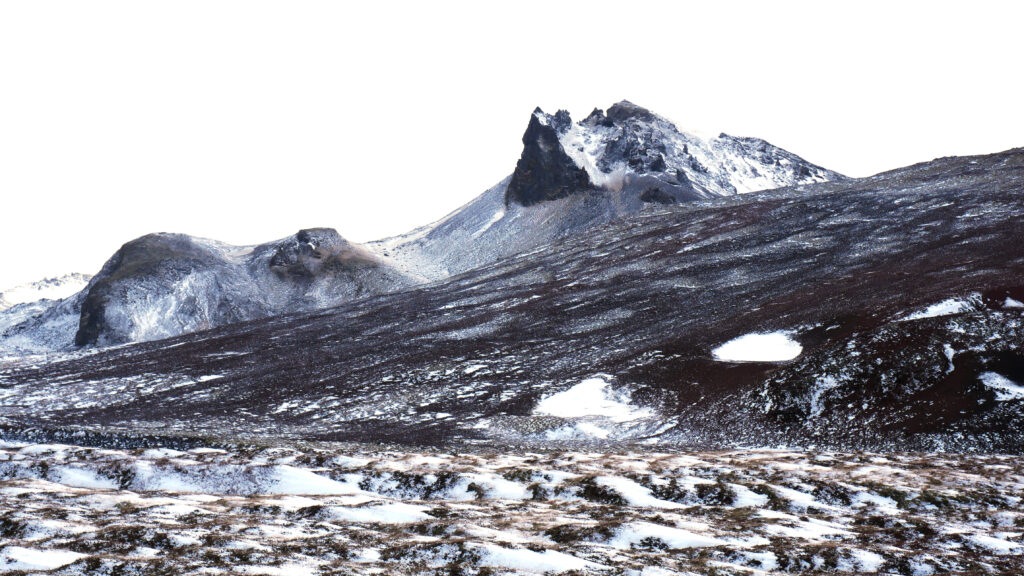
(328,510)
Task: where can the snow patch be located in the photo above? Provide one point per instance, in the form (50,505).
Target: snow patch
(634,493)
(494,220)
(48,289)
(83,478)
(821,385)
(996,545)
(1005,388)
(578,431)
(776,346)
(391,513)
(868,561)
(591,398)
(637,532)
(291,480)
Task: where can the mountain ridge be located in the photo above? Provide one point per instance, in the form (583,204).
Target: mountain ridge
(571,176)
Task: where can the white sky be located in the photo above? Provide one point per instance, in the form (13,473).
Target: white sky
(246,121)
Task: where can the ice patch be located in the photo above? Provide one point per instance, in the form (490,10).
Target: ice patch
(1011,303)
(759,347)
(1005,388)
(591,398)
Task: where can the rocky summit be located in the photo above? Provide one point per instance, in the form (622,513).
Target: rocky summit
(634,152)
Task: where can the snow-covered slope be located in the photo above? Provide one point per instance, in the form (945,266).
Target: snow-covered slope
(55,288)
(630,142)
(572,176)
(40,316)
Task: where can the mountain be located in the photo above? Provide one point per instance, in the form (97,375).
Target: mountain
(571,176)
(162,285)
(880,313)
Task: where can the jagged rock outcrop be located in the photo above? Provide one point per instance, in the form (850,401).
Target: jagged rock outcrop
(544,171)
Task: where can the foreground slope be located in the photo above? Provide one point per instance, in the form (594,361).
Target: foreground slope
(901,293)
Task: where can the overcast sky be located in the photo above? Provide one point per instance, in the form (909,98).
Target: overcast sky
(246,121)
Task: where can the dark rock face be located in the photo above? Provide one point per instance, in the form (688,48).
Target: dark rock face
(162,285)
(626,110)
(544,171)
(642,148)
(597,118)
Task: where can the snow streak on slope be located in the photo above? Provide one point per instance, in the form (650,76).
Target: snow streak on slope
(631,140)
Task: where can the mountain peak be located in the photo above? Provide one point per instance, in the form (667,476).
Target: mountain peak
(545,171)
(632,148)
